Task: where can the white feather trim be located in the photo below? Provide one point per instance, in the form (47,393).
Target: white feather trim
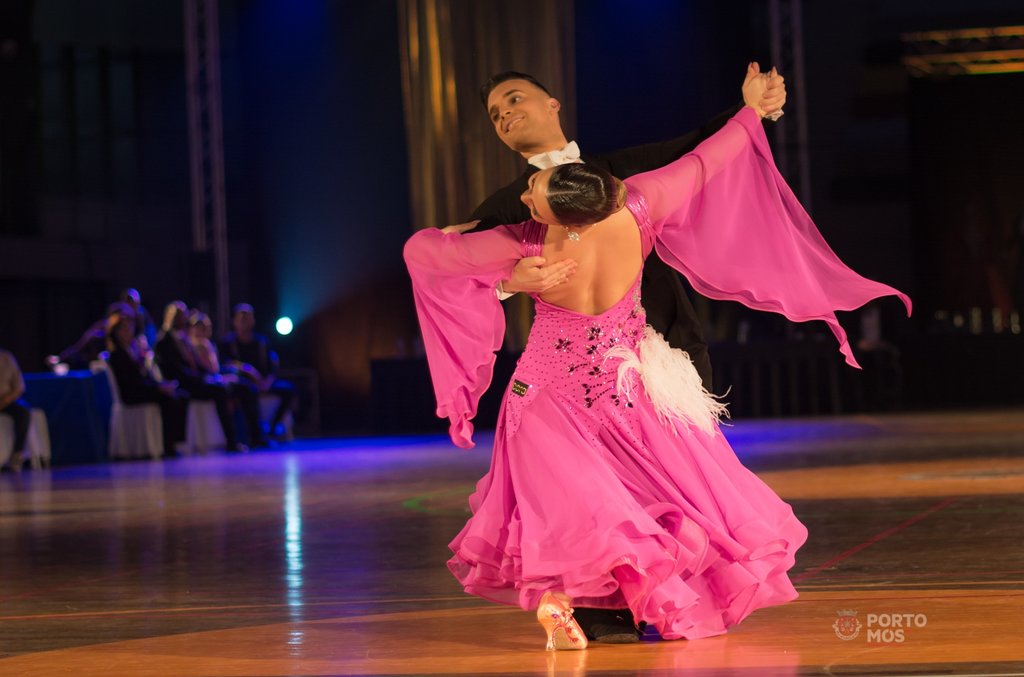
(670,381)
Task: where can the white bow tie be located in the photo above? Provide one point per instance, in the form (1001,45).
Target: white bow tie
(553,158)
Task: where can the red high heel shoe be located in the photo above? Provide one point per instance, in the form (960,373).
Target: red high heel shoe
(555,615)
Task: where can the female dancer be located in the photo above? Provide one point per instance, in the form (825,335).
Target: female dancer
(664,519)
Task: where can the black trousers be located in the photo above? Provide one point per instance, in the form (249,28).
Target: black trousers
(286,392)
(21,412)
(247,396)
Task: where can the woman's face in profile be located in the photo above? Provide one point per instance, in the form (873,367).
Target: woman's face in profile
(535,197)
(203,329)
(123,332)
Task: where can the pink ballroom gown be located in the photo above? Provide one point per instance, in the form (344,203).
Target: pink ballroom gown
(593,489)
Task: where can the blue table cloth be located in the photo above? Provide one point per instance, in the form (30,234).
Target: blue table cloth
(77,407)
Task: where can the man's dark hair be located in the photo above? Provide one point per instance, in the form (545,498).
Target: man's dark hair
(242,308)
(495,80)
(582,194)
(129,295)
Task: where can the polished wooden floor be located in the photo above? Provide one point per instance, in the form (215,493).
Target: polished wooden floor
(328,558)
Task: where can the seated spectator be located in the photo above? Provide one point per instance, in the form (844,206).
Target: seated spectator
(249,355)
(242,392)
(200,330)
(177,361)
(12,387)
(145,327)
(137,385)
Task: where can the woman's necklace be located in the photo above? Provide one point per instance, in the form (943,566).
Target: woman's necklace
(571,234)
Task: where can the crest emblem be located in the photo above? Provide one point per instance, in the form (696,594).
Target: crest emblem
(847,626)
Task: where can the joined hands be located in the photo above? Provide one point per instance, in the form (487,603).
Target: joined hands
(764,92)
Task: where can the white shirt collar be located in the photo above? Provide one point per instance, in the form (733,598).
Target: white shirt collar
(553,158)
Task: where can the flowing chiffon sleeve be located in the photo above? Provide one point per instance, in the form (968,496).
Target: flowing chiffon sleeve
(461,319)
(725,218)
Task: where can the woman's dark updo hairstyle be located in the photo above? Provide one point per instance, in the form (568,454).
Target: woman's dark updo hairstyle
(581,194)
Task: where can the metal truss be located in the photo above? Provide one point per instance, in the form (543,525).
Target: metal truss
(206,144)
(972,51)
(790,148)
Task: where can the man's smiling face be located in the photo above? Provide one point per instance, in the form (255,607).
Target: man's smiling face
(525,118)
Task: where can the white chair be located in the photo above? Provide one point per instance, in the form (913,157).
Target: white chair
(136,430)
(37,444)
(203,430)
(268,407)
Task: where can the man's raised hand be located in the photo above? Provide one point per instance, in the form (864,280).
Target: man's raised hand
(461,227)
(534,275)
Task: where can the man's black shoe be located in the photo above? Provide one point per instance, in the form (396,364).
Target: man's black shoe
(610,626)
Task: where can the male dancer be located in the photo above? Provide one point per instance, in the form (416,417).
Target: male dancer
(525,118)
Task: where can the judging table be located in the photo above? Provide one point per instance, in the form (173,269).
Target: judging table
(77,406)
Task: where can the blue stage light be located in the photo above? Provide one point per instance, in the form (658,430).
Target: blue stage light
(284,326)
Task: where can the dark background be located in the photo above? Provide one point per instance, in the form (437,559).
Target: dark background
(918,183)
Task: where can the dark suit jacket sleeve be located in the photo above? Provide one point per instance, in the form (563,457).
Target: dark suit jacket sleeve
(503,207)
(132,385)
(269,362)
(163,359)
(635,159)
(226,349)
(172,364)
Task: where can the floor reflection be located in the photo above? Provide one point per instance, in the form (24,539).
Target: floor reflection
(328,558)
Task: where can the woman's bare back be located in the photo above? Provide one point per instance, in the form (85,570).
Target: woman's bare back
(608,256)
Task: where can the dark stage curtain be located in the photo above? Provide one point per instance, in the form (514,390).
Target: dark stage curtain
(449,48)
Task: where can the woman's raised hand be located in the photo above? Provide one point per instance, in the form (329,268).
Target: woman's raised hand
(755,87)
